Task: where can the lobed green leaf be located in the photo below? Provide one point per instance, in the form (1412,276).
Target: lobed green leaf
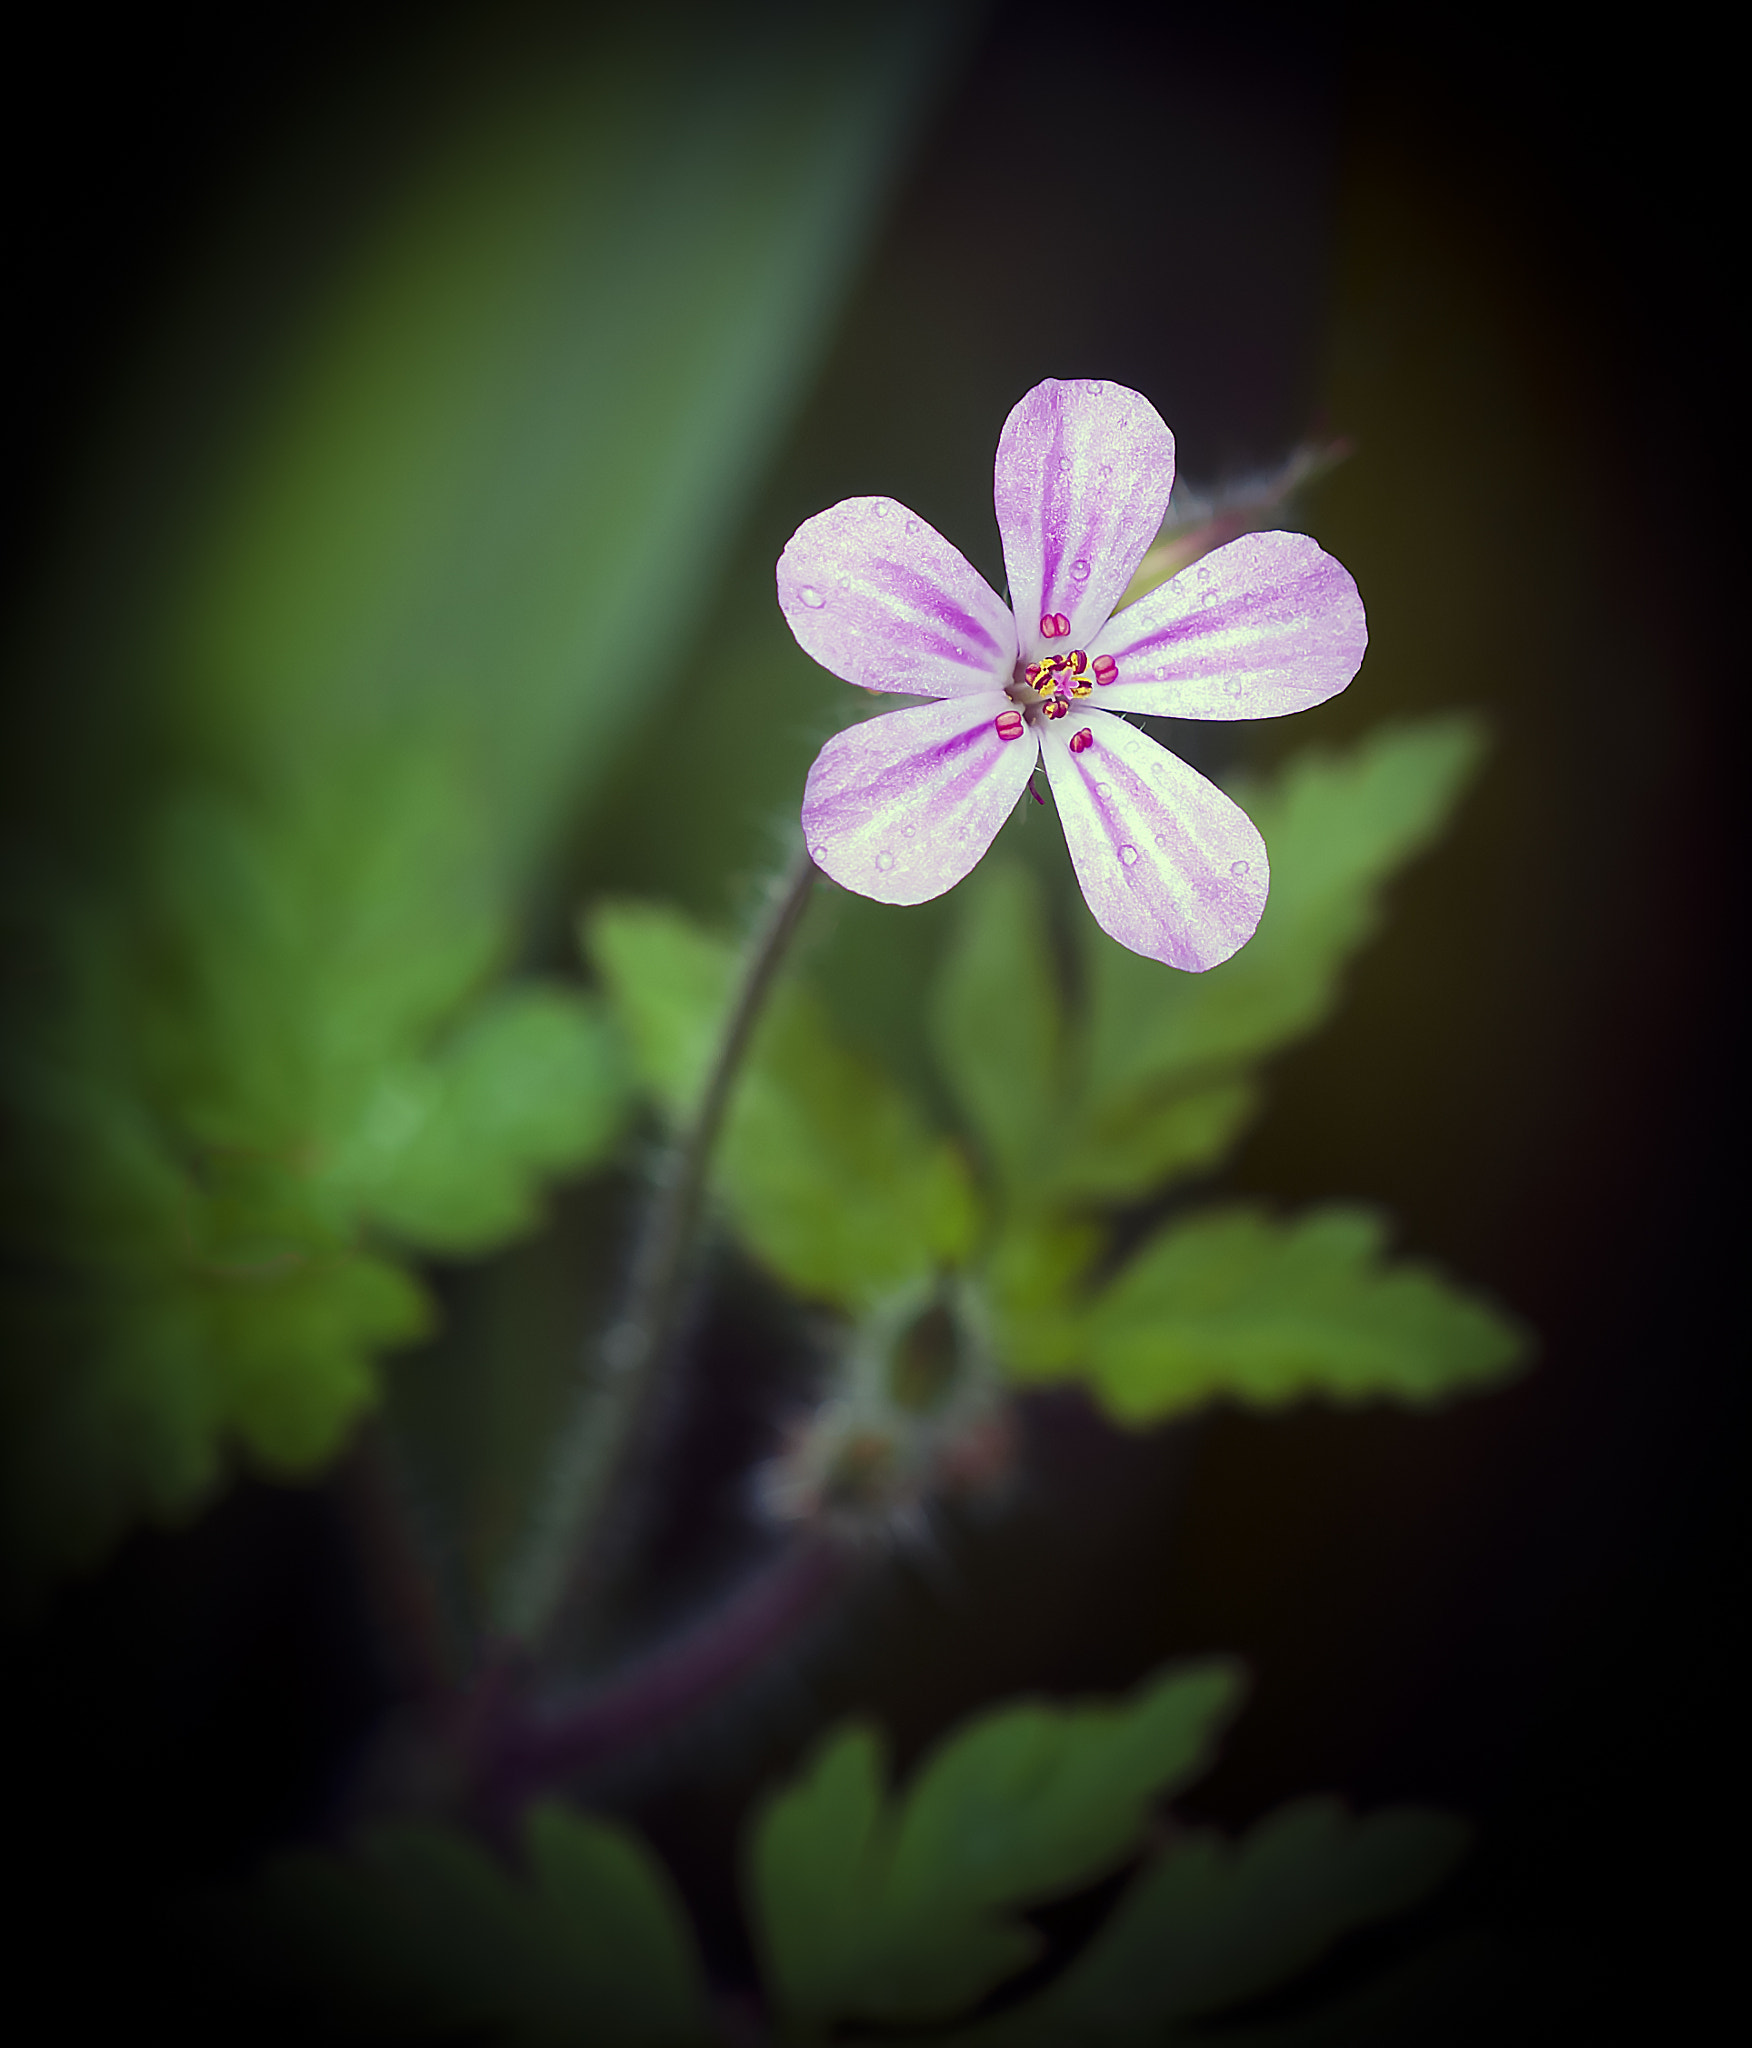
(1231,1303)
(419,1932)
(380,607)
(1209,1923)
(1163,1065)
(907,1910)
(828,1169)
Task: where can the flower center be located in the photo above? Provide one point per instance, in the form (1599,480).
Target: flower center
(1051,685)
(1047,688)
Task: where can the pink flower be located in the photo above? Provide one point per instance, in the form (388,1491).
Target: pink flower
(902,807)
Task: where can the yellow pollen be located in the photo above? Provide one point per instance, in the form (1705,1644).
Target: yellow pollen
(1058,678)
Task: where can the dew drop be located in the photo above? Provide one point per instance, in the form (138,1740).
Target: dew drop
(1064,465)
(1204,575)
(1104,790)
(812,597)
(1080,571)
(1237,867)
(912,526)
(1129,854)
(884,861)
(1161,839)
(880,508)
(1096,387)
(1209,598)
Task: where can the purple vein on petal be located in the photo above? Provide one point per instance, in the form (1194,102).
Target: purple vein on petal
(901,807)
(1267,625)
(1168,864)
(879,597)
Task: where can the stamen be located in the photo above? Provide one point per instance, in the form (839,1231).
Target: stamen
(1054,626)
(1009,725)
(1055,707)
(1106,670)
(1082,741)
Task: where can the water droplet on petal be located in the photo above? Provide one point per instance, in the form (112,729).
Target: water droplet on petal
(1064,465)
(1104,790)
(885,861)
(1161,839)
(1204,575)
(880,508)
(1238,867)
(912,526)
(1096,387)
(1129,855)
(1080,571)
(812,597)
(1210,598)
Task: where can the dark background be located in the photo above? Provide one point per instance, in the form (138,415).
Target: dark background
(1495,252)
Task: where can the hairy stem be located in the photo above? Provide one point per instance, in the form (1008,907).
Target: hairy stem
(625,1369)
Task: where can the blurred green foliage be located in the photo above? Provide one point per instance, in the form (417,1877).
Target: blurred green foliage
(895,1913)
(377,623)
(835,1177)
(1232,1303)
(907,1911)
(1209,1923)
(1082,1096)
(421,1934)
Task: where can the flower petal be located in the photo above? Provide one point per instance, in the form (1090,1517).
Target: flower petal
(1265,625)
(1169,866)
(883,600)
(1083,475)
(902,806)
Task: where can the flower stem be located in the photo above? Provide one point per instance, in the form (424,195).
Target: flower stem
(548,1743)
(602,1438)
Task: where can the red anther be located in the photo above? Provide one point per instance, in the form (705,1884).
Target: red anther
(1050,626)
(1055,707)
(1009,724)
(1061,626)
(1106,669)
(1080,740)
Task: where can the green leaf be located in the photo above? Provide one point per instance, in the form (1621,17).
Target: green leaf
(513,414)
(359,618)
(450,1152)
(420,1932)
(1163,1063)
(1034,1278)
(906,1910)
(1209,1923)
(1232,1303)
(827,1167)
(997,1022)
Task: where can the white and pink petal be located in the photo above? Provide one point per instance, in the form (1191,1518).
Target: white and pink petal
(1081,485)
(901,807)
(1267,625)
(1168,865)
(881,599)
